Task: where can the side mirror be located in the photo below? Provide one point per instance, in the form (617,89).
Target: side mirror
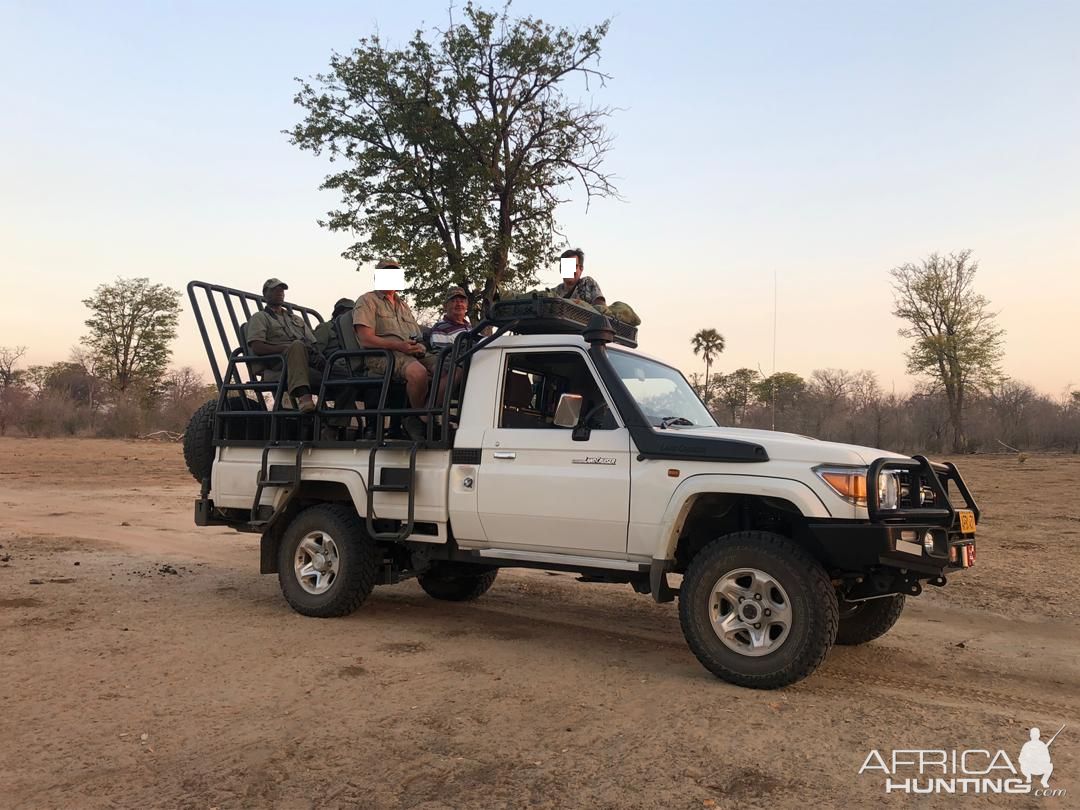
(568,411)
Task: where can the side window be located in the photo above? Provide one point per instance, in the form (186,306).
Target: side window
(533,383)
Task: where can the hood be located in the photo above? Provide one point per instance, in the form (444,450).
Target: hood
(791,446)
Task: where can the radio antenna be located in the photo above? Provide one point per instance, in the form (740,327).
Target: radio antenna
(773,386)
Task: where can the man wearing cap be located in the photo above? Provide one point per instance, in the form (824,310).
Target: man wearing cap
(383,320)
(453,321)
(275,330)
(326,343)
(326,339)
(579,287)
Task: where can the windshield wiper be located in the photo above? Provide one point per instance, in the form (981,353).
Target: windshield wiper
(674,420)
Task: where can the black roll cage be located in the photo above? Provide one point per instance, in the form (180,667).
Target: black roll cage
(241,391)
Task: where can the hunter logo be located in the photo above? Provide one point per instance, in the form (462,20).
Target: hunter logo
(978,770)
(594,460)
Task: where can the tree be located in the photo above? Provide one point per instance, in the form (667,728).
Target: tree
(736,391)
(13,395)
(131,325)
(1011,400)
(830,388)
(9,358)
(708,343)
(782,391)
(957,343)
(88,362)
(460,146)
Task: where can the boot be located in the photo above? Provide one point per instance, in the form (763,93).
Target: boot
(415,427)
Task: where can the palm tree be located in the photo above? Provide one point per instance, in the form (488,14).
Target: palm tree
(708,343)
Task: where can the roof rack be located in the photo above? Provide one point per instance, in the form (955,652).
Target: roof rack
(537,314)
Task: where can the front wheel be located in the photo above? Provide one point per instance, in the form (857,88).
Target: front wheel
(861,622)
(326,562)
(757,610)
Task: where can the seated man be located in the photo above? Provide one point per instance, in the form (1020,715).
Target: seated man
(274,330)
(383,320)
(453,320)
(326,343)
(579,287)
(326,340)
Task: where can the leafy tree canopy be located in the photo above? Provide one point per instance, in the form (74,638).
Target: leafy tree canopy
(131,325)
(459,147)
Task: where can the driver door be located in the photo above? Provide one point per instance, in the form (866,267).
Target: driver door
(538,488)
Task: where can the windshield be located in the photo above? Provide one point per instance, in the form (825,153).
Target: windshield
(662,392)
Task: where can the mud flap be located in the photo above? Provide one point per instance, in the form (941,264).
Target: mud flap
(658,584)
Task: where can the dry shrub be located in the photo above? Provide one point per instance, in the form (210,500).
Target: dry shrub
(48,415)
(125,419)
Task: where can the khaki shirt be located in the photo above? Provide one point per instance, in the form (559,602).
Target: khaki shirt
(277,328)
(388,320)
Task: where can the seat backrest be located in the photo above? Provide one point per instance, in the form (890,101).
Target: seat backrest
(347,340)
(222,314)
(346,334)
(519,391)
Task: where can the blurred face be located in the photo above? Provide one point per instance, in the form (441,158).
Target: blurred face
(571,267)
(275,296)
(456,308)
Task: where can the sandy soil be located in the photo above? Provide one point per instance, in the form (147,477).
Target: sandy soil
(145,663)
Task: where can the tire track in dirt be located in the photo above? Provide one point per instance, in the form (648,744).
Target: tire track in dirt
(918,691)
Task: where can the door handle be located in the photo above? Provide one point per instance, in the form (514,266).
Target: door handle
(504,454)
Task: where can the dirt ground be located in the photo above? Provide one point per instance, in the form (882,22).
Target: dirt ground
(146,663)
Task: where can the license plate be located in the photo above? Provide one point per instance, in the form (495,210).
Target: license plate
(967,521)
(962,555)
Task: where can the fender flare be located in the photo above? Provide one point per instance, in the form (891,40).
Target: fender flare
(351,479)
(683,498)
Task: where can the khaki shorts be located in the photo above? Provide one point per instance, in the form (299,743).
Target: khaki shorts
(376,366)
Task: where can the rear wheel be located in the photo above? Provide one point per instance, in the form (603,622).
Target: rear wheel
(326,562)
(757,610)
(457,583)
(861,622)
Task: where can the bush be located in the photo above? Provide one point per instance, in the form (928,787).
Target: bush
(47,415)
(125,419)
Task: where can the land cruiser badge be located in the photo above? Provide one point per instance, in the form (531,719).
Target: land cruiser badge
(595,460)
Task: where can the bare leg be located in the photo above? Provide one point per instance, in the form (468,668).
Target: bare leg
(416,384)
(442,385)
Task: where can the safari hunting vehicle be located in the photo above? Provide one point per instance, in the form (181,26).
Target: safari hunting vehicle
(563,448)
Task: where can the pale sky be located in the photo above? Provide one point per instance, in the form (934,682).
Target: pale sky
(823,142)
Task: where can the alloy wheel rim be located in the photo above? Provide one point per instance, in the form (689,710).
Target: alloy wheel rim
(316,562)
(750,612)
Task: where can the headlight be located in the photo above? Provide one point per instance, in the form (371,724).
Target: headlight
(847,482)
(888,490)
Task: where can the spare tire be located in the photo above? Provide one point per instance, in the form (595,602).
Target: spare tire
(199,441)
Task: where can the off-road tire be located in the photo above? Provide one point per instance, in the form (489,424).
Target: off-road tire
(199,441)
(358,561)
(811,599)
(861,622)
(457,583)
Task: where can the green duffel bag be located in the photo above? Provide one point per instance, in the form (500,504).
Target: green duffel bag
(621,311)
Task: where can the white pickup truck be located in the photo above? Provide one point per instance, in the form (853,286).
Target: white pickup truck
(564,448)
